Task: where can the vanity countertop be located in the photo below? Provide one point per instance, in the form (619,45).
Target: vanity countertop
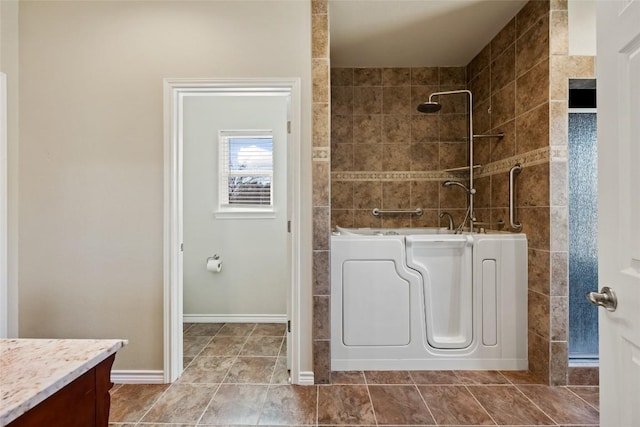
(31,370)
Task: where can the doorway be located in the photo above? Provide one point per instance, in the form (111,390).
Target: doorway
(235,207)
(231,174)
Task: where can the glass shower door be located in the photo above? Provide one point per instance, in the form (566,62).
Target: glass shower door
(583,237)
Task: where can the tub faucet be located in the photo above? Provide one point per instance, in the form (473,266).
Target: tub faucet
(448,215)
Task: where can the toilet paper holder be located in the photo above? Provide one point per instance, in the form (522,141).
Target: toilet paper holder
(214,264)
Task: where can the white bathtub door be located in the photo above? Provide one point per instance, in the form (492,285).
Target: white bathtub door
(618,38)
(445,264)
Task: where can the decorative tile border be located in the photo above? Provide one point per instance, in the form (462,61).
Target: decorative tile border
(321,154)
(559,154)
(395,176)
(536,157)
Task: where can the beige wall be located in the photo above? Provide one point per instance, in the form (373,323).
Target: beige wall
(9,65)
(91,164)
(582,27)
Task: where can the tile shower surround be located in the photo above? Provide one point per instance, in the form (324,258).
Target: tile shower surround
(511,79)
(521,77)
(381,146)
(236,375)
(520,86)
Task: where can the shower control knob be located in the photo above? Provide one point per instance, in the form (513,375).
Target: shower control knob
(605,298)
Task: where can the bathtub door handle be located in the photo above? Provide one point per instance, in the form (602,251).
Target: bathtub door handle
(512,197)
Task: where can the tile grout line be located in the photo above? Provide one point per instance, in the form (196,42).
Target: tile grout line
(581,398)
(201,350)
(199,353)
(317,404)
(367,383)
(424,401)
(152,405)
(466,386)
(373,409)
(235,358)
(264,402)
(534,404)
(217,389)
(225,376)
(185,331)
(509,382)
(273,371)
(204,411)
(503,376)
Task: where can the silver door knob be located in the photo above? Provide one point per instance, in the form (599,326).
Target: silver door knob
(605,298)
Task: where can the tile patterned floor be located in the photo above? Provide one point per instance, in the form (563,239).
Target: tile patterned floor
(235,375)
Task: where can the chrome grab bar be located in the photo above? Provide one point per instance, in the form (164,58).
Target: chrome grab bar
(495,135)
(499,223)
(378,212)
(512,196)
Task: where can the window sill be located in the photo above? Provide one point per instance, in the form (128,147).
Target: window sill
(245,214)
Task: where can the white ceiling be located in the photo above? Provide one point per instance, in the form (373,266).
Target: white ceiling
(414,33)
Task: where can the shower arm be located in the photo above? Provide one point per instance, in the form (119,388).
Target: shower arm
(449,92)
(471,189)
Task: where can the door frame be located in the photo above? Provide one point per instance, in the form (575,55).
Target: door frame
(174,90)
(4,230)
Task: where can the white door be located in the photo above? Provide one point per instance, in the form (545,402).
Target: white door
(618,77)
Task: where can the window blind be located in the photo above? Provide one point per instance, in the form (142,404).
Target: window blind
(246,170)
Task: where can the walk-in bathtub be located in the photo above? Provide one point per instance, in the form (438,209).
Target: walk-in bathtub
(426,298)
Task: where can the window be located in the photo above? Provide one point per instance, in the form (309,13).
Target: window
(246,171)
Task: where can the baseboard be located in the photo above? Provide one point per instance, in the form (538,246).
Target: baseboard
(137,377)
(234,318)
(305,378)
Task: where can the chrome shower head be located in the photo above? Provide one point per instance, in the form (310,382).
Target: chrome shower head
(429,107)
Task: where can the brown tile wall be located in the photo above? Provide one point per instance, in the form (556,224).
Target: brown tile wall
(520,81)
(510,81)
(321,191)
(376,131)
